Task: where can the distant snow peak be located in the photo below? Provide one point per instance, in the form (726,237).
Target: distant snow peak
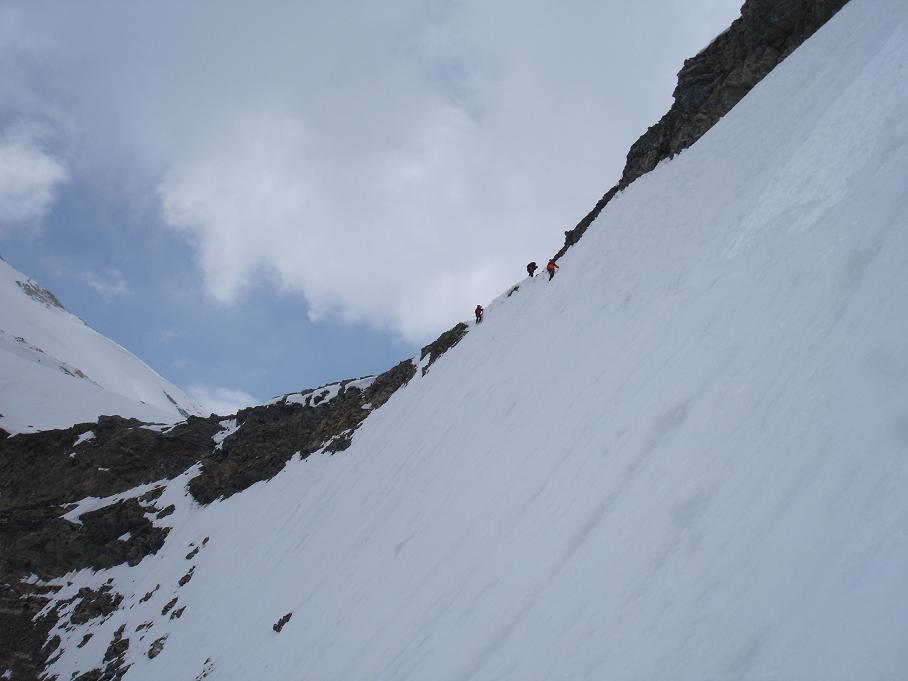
(57,371)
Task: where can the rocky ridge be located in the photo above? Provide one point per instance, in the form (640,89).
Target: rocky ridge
(711,83)
(43,474)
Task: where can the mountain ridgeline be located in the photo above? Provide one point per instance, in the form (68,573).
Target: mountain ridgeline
(712,82)
(105,495)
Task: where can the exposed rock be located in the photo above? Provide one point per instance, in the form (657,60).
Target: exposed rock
(94,604)
(277,626)
(442,344)
(184,580)
(192,554)
(50,646)
(716,79)
(151,593)
(164,512)
(24,633)
(34,473)
(118,645)
(268,436)
(152,495)
(172,602)
(177,614)
(35,291)
(85,639)
(114,659)
(156,647)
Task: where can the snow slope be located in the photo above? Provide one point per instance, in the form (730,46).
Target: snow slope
(56,371)
(684,458)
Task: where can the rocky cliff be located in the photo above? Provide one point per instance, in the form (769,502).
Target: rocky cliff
(712,82)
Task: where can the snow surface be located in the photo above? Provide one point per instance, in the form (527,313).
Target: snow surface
(228,428)
(55,371)
(84,437)
(684,458)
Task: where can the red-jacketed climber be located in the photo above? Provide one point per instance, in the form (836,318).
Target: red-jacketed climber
(550,268)
(478,311)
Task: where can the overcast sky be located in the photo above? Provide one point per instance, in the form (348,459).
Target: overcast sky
(255,197)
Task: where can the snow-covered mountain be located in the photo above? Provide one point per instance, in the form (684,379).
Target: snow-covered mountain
(685,457)
(55,370)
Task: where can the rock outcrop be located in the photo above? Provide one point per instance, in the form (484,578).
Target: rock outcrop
(712,82)
(42,474)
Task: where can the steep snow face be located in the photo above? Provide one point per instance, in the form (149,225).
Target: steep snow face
(686,457)
(56,371)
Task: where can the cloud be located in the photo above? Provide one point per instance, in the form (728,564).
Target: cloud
(393,163)
(219,400)
(168,335)
(29,178)
(109,284)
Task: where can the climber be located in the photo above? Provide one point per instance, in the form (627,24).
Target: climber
(478,311)
(550,268)
(531,268)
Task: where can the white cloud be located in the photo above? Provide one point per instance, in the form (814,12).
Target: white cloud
(29,178)
(219,400)
(109,284)
(391,162)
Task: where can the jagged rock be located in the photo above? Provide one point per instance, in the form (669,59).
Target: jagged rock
(192,554)
(269,435)
(172,602)
(94,604)
(113,656)
(184,580)
(33,472)
(152,495)
(442,344)
(50,646)
(24,632)
(151,593)
(156,647)
(164,512)
(85,639)
(277,626)
(35,291)
(716,79)
(177,614)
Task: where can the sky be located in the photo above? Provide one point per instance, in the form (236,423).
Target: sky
(256,198)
